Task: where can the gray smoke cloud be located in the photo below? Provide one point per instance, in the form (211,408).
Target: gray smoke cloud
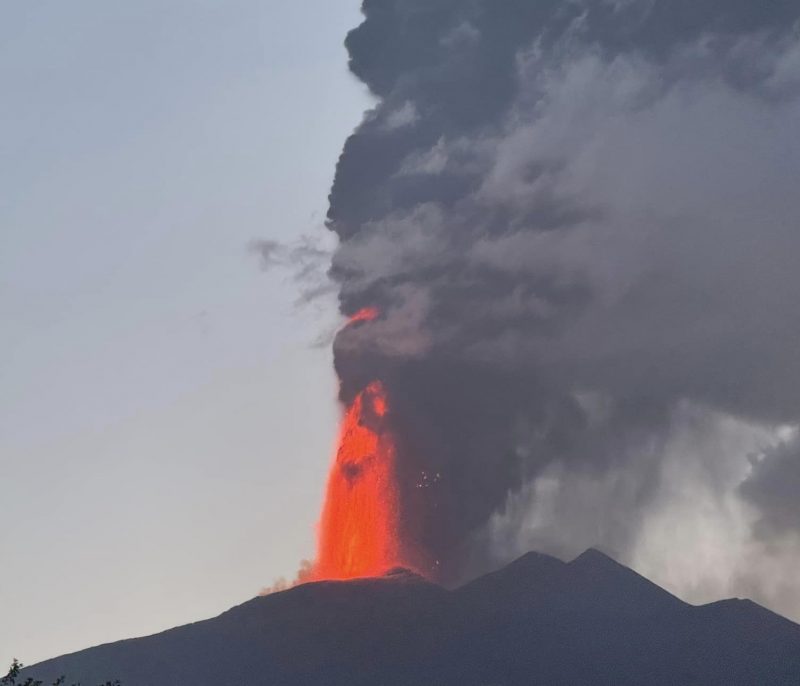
(580,222)
(773,487)
(305,260)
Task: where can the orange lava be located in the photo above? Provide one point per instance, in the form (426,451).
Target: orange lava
(365,314)
(359,529)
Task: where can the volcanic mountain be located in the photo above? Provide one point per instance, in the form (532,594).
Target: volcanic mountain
(537,621)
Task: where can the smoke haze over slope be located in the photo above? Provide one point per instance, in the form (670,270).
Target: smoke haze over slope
(580,222)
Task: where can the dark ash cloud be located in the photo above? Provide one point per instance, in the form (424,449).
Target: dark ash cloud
(578,218)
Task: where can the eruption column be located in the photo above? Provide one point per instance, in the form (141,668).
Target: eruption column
(359,529)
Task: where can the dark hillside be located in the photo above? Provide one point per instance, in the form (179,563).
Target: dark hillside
(537,621)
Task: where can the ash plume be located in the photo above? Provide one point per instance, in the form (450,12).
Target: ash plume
(580,222)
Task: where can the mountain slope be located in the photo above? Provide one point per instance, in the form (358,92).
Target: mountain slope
(537,621)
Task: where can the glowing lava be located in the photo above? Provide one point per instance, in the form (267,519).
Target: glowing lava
(366,314)
(359,529)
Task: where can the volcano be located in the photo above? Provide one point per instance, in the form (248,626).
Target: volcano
(536,621)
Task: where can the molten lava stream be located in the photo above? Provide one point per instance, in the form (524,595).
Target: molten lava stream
(359,528)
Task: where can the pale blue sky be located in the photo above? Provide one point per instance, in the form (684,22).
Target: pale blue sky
(165,422)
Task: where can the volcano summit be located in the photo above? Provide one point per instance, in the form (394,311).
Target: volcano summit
(537,621)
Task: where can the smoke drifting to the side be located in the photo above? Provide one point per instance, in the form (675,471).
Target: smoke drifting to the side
(579,221)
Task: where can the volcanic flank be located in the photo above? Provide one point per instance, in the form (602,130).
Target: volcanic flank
(538,621)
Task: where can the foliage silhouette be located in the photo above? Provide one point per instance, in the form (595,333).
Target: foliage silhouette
(13,676)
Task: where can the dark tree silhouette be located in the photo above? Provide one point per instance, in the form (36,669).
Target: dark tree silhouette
(13,676)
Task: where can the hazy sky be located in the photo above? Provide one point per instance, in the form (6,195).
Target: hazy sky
(165,420)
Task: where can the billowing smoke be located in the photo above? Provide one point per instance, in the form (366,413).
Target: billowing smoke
(580,222)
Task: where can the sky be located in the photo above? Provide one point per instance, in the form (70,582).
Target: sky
(578,221)
(167,412)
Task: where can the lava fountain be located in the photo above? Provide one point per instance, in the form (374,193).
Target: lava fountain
(359,532)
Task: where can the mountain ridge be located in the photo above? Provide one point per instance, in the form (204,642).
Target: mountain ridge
(537,620)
